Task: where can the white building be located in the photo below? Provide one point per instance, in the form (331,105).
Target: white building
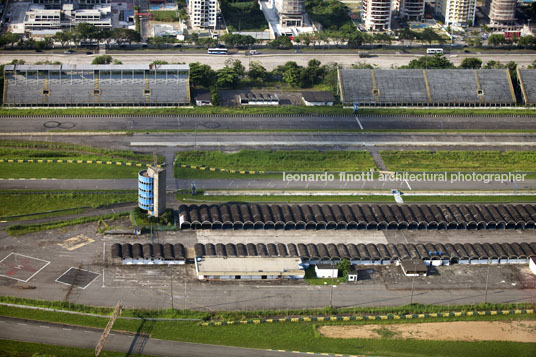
(457,12)
(532,265)
(40,17)
(501,12)
(248,268)
(326,271)
(203,13)
(291,12)
(376,14)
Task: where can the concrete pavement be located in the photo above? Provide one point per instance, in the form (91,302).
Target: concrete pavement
(130,343)
(290,122)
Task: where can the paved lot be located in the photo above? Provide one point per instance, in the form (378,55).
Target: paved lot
(153,286)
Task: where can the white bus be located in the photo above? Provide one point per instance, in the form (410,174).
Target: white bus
(433,51)
(217,51)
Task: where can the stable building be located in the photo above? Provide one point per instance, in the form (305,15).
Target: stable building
(313,99)
(413,267)
(326,271)
(248,268)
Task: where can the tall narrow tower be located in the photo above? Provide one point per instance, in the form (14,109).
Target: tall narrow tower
(152,190)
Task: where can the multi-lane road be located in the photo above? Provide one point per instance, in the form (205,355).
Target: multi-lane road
(212,122)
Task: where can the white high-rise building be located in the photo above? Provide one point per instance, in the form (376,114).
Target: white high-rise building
(203,13)
(457,12)
(376,14)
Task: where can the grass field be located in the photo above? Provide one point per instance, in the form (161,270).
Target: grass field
(460,160)
(24,150)
(26,349)
(280,160)
(300,336)
(21,229)
(19,203)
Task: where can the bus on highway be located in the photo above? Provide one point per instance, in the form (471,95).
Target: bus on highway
(217,51)
(433,51)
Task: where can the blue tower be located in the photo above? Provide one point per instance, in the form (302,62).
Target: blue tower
(152,190)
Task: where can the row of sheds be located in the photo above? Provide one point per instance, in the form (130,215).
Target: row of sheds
(148,253)
(358,216)
(366,254)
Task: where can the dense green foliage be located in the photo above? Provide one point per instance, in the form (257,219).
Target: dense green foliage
(436,61)
(331,14)
(243,15)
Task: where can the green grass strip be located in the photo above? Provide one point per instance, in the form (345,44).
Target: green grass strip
(20,229)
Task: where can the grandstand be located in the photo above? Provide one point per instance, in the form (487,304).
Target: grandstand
(527,82)
(96,85)
(430,87)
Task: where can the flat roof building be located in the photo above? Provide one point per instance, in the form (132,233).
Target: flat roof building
(248,268)
(413,267)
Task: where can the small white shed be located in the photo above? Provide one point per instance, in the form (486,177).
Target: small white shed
(353,274)
(532,265)
(326,271)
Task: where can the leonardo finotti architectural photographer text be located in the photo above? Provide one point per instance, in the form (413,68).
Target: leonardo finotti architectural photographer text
(406,176)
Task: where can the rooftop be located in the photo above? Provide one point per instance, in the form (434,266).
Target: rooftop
(249,266)
(318,97)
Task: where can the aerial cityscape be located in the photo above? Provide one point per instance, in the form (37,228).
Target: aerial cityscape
(267,178)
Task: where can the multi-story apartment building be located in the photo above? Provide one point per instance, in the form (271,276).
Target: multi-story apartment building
(77,4)
(203,13)
(291,12)
(409,9)
(376,14)
(457,12)
(501,12)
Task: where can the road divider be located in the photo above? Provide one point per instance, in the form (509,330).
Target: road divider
(213,169)
(62,161)
(373,317)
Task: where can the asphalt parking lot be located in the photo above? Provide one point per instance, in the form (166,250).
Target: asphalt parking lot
(162,286)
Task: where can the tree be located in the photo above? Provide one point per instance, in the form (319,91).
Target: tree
(215,98)
(282,42)
(527,41)
(494,65)
(237,40)
(87,31)
(430,62)
(237,66)
(406,34)
(201,74)
(227,77)
(496,40)
(532,66)
(429,35)
(362,65)
(292,73)
(9,38)
(344,267)
(257,72)
(356,40)
(62,37)
(104,59)
(471,63)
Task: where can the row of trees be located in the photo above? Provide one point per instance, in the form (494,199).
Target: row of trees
(82,32)
(291,73)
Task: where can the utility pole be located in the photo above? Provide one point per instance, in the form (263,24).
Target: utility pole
(487,280)
(413,283)
(171,287)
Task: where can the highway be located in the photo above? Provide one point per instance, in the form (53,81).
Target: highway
(129,343)
(211,122)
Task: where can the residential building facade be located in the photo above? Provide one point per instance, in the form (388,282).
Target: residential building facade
(457,12)
(203,13)
(376,14)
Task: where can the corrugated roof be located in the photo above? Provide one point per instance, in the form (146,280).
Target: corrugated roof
(101,67)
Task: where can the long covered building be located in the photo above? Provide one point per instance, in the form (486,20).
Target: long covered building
(357,216)
(320,253)
(429,87)
(96,85)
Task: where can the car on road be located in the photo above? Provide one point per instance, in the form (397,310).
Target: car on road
(68,52)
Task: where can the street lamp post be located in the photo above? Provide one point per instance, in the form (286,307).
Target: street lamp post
(487,280)
(413,283)
(171,287)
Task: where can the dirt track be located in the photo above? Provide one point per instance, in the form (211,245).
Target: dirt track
(516,331)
